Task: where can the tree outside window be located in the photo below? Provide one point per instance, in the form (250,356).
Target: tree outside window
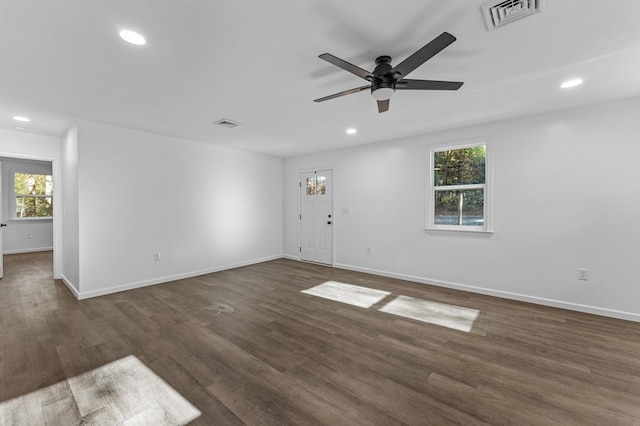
(33,195)
(459,188)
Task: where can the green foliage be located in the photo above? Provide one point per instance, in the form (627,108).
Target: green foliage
(447,203)
(464,166)
(27,183)
(34,195)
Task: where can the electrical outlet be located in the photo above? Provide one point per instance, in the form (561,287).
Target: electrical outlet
(156,257)
(583,274)
(368,250)
(29,236)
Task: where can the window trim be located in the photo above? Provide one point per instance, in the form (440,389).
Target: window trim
(12,201)
(487,227)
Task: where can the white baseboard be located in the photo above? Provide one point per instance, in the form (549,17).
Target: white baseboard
(612,313)
(29,250)
(71,287)
(288,256)
(131,286)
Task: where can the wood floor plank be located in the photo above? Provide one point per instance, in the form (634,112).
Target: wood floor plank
(245,346)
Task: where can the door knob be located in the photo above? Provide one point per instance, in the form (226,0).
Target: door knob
(2,224)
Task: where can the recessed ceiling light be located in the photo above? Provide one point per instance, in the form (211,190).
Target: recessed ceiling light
(351,131)
(133,37)
(571,83)
(19,127)
(23,119)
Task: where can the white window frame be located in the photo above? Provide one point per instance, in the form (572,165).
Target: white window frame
(487,226)
(14,205)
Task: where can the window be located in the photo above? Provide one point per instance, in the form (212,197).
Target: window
(316,185)
(33,195)
(459,196)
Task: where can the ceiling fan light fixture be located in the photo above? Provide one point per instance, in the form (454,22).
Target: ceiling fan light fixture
(383,93)
(385,78)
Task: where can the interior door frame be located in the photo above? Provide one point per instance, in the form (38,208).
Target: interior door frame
(57,204)
(333,233)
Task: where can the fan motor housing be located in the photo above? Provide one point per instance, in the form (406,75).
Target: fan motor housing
(383,79)
(383,66)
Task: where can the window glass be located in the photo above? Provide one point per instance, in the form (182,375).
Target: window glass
(459,166)
(459,207)
(316,185)
(458,199)
(33,195)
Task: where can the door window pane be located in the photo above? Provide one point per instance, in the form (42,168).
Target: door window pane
(316,185)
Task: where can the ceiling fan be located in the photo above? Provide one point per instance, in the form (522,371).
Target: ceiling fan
(386,79)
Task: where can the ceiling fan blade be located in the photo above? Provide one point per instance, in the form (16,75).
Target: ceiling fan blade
(346,66)
(428,85)
(346,92)
(428,51)
(383,106)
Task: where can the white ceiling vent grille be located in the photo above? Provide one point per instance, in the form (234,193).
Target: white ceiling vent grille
(225,122)
(499,13)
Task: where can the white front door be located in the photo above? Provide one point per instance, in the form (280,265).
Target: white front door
(316,216)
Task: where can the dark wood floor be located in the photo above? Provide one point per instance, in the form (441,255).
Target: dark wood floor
(246,347)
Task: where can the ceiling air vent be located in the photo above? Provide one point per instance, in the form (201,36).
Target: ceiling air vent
(225,122)
(499,13)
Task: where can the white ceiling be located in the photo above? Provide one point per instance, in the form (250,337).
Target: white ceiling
(256,62)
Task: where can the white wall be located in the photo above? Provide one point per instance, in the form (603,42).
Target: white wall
(70,227)
(565,197)
(14,236)
(202,207)
(18,144)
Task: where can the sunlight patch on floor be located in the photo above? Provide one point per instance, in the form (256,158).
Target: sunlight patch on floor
(362,297)
(454,317)
(121,392)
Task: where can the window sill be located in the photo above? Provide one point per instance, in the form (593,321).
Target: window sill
(470,232)
(29,219)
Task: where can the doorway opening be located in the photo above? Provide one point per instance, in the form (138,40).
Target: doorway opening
(27,191)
